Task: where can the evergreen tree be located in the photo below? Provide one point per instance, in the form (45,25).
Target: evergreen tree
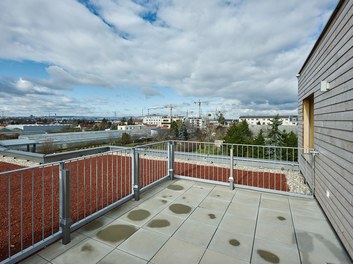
(238,133)
(259,139)
(174,130)
(221,119)
(182,132)
(130,121)
(275,135)
(290,139)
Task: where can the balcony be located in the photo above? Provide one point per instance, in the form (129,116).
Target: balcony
(169,202)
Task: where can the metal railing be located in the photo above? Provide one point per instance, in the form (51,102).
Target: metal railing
(265,168)
(45,203)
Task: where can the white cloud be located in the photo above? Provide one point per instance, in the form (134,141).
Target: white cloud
(246,51)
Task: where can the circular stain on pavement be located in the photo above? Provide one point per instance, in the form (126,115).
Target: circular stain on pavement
(268,256)
(211,216)
(138,215)
(175,187)
(281,218)
(158,223)
(180,208)
(234,242)
(115,233)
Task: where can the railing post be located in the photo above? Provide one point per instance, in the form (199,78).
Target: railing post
(314,153)
(171,159)
(231,167)
(135,174)
(65,203)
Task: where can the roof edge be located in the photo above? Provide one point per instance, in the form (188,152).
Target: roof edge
(328,24)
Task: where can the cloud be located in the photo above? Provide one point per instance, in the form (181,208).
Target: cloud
(245,51)
(149,92)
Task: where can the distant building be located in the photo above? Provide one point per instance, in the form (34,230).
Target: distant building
(160,121)
(197,122)
(291,120)
(130,127)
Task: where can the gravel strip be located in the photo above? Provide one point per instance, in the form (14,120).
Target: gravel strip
(19,162)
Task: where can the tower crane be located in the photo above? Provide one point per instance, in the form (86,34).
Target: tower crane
(199,102)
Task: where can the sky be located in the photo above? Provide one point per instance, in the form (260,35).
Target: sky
(128,57)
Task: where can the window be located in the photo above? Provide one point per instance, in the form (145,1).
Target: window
(308,123)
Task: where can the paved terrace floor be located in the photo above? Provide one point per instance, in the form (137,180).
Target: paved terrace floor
(189,222)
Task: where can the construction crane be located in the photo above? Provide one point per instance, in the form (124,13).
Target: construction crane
(199,102)
(171,112)
(153,107)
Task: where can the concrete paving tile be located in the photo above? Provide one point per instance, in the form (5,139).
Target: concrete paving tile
(247,195)
(222,194)
(164,223)
(120,210)
(176,251)
(277,197)
(179,210)
(203,185)
(214,204)
(239,209)
(144,243)
(266,251)
(139,216)
(154,205)
(58,247)
(211,257)
(277,233)
(115,233)
(206,216)
(307,210)
(314,225)
(197,191)
(275,205)
(96,224)
(195,233)
(118,256)
(86,252)
(190,199)
(320,248)
(170,195)
(237,246)
(238,225)
(35,259)
(270,216)
(179,186)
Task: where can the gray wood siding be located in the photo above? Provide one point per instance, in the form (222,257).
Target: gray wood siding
(332,60)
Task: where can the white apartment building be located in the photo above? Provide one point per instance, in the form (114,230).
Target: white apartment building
(197,122)
(267,120)
(160,121)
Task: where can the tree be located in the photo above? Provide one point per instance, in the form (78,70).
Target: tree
(259,139)
(182,132)
(130,121)
(238,133)
(275,135)
(123,120)
(221,119)
(290,139)
(174,130)
(125,139)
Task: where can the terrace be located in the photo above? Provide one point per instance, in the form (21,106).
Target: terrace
(168,202)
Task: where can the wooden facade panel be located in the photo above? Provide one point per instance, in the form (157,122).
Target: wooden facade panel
(335,220)
(342,139)
(337,125)
(333,40)
(331,60)
(333,69)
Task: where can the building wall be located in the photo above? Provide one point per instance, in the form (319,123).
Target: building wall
(331,59)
